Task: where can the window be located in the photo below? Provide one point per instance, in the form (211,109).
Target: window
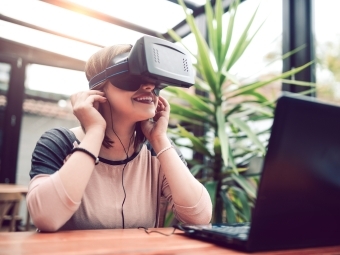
(327,47)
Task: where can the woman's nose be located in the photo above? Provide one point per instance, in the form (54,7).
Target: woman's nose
(148,86)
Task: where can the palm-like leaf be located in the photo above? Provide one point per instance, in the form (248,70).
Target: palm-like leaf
(228,142)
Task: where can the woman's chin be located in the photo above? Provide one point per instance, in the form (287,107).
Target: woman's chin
(145,117)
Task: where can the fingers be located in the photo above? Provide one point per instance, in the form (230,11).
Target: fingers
(89,96)
(162,109)
(163,101)
(87,93)
(85,106)
(99,99)
(162,105)
(96,92)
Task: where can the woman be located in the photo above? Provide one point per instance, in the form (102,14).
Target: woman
(71,189)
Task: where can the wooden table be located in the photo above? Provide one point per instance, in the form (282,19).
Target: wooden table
(119,241)
(8,188)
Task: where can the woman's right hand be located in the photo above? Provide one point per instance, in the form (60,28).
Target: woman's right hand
(85,107)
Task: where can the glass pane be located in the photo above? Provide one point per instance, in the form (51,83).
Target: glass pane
(5,72)
(261,59)
(54,80)
(157,15)
(327,45)
(73,24)
(46,41)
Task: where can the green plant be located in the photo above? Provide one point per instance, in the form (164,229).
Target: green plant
(225,115)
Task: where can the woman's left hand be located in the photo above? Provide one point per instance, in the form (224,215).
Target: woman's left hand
(156,129)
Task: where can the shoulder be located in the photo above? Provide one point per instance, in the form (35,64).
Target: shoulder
(59,134)
(78,132)
(60,137)
(51,150)
(58,141)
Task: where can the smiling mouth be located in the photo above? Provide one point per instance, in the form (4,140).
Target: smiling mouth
(145,100)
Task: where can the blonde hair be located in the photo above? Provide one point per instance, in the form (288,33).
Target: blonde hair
(100,60)
(97,63)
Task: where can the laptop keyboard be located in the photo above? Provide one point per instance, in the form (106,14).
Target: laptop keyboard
(239,230)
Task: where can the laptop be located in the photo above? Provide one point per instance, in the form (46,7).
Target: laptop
(298,198)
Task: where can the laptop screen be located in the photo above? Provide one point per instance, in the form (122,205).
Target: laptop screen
(298,197)
(298,201)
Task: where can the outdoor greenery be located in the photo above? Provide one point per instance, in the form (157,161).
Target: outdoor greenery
(219,123)
(328,60)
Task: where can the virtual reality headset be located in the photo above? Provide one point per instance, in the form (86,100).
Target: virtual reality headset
(151,61)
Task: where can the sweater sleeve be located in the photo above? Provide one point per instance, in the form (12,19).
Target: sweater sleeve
(51,150)
(47,201)
(200,213)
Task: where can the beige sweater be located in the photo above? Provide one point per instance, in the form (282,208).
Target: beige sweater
(52,209)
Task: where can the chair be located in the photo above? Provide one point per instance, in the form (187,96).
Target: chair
(9,204)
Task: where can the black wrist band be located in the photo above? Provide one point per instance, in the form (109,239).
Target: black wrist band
(96,160)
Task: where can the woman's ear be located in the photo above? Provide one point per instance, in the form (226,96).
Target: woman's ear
(104,88)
